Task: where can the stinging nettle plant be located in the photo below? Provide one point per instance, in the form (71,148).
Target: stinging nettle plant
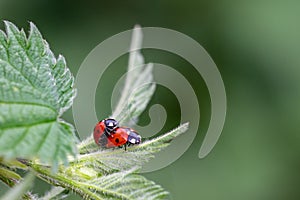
(36,88)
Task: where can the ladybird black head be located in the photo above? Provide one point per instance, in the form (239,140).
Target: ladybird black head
(110,124)
(134,138)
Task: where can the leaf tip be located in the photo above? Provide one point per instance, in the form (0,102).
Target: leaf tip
(137,26)
(137,38)
(10,27)
(185,125)
(34,31)
(6,23)
(32,25)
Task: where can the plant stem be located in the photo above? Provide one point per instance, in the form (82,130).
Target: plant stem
(59,179)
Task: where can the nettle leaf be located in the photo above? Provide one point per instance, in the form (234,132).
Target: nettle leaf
(35,89)
(125,185)
(89,184)
(108,160)
(139,85)
(112,173)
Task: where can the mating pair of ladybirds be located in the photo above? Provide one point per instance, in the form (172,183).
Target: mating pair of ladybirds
(108,134)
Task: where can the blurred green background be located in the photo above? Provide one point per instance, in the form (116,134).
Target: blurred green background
(256,46)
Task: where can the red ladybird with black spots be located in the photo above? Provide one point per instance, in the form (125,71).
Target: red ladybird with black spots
(108,134)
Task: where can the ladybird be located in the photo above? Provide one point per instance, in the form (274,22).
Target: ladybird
(103,130)
(108,134)
(124,136)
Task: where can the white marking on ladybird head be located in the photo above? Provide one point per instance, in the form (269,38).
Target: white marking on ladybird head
(132,140)
(111,124)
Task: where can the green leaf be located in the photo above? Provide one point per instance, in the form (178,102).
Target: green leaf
(139,85)
(125,185)
(110,173)
(116,185)
(108,160)
(35,89)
